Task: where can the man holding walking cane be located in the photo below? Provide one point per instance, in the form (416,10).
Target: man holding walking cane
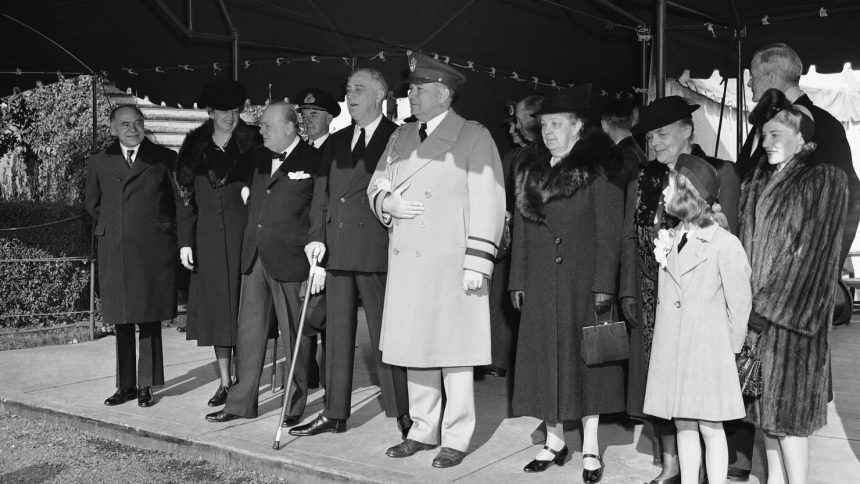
(274,263)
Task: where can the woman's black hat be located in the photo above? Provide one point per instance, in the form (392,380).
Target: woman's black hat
(577,99)
(223,95)
(663,112)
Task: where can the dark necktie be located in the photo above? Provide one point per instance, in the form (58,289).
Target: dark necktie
(279,156)
(422,132)
(358,149)
(129,157)
(683,242)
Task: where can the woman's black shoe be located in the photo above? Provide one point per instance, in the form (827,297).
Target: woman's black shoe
(220,397)
(541,465)
(592,476)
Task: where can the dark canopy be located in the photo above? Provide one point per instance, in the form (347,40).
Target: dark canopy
(565,41)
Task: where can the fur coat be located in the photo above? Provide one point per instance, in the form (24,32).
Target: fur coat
(791,228)
(567,235)
(191,161)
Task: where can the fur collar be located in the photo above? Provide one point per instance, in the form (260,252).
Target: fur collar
(191,161)
(537,183)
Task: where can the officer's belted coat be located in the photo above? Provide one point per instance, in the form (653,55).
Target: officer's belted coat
(429,320)
(135,214)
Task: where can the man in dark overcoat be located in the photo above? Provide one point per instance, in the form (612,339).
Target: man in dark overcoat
(356,245)
(778,66)
(132,199)
(273,262)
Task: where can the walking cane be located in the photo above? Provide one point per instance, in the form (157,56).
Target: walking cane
(277,444)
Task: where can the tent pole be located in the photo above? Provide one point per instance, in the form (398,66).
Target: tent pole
(235,35)
(661,48)
(644,75)
(741,98)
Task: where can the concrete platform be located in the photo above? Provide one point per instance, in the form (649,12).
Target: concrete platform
(67,384)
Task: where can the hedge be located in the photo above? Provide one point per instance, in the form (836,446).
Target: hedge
(43,287)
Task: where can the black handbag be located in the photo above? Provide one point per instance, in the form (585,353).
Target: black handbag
(605,341)
(749,369)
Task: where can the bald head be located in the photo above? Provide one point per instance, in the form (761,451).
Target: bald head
(278,126)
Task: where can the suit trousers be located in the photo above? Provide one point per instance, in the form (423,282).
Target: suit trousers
(261,294)
(425,406)
(342,287)
(502,318)
(149,369)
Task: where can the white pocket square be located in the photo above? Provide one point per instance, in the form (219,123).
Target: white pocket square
(298,175)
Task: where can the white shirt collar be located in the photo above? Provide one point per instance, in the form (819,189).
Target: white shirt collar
(368,131)
(276,163)
(317,143)
(125,149)
(436,121)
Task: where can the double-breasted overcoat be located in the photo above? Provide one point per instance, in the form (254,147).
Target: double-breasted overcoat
(703,305)
(429,320)
(134,209)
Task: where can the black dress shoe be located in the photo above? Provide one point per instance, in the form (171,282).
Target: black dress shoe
(220,397)
(144,397)
(676,479)
(538,465)
(407,448)
(121,396)
(592,476)
(319,425)
(448,457)
(738,475)
(493,370)
(404,423)
(291,420)
(221,416)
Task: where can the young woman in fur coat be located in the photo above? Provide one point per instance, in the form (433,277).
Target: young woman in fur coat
(213,168)
(704,302)
(792,216)
(567,232)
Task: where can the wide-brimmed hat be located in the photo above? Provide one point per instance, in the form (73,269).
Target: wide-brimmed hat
(701,174)
(313,98)
(577,99)
(424,69)
(663,112)
(223,95)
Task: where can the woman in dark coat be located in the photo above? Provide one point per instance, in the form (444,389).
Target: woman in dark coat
(793,212)
(566,240)
(213,169)
(668,125)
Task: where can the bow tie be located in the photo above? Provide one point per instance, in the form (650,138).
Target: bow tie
(279,156)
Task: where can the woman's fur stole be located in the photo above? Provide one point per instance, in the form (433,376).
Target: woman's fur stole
(791,228)
(191,161)
(538,183)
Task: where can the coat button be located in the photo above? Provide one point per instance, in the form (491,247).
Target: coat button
(417,253)
(421,224)
(342,200)
(259,226)
(558,259)
(677,304)
(395,251)
(557,240)
(428,194)
(340,225)
(268,192)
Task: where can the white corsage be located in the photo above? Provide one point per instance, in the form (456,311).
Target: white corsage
(382,185)
(298,175)
(663,245)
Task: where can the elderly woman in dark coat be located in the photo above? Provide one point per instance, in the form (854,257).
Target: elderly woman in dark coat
(213,169)
(566,240)
(792,216)
(668,126)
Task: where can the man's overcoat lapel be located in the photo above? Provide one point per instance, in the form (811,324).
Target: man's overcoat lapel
(415,154)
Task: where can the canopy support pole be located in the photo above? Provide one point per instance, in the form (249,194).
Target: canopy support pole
(644,75)
(661,48)
(739,34)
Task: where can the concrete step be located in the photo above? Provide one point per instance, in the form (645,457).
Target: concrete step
(168,140)
(170,126)
(179,114)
